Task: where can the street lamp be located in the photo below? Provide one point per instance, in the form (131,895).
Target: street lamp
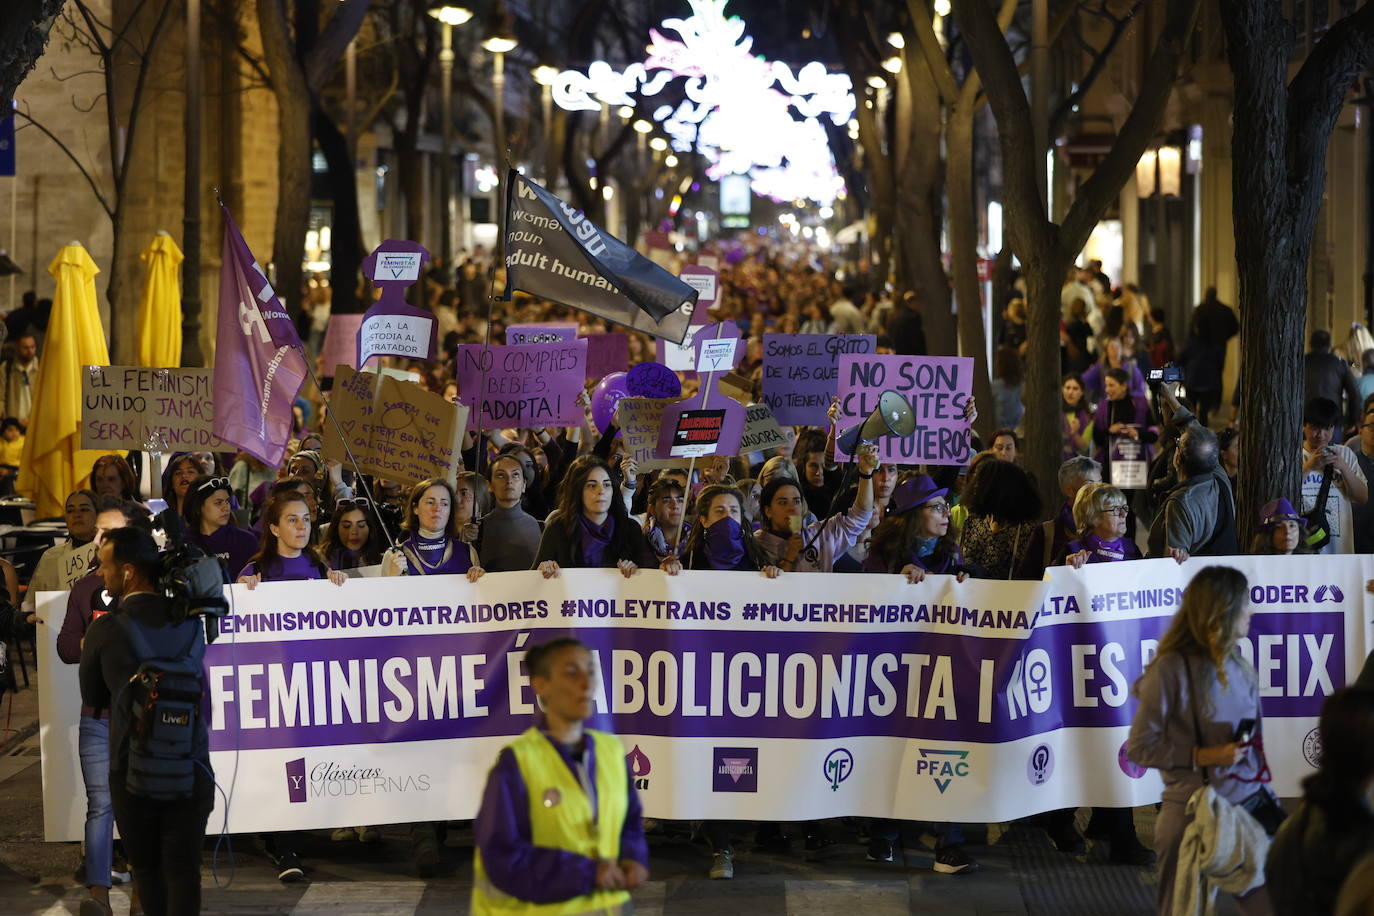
(499,40)
(448,16)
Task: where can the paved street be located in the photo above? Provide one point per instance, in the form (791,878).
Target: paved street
(1021,872)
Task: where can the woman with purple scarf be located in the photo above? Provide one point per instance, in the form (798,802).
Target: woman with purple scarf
(434,520)
(913,538)
(1099,514)
(590,528)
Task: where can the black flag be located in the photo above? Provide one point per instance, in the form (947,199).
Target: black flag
(555,252)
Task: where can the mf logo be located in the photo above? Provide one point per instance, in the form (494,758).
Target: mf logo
(839,763)
(942,766)
(1327,593)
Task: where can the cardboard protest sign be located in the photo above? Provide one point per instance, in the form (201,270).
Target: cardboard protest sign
(761,431)
(395,429)
(680,357)
(639,420)
(800,373)
(936,387)
(392,326)
(607,353)
(541,332)
(122,406)
(523,386)
(737,386)
(704,281)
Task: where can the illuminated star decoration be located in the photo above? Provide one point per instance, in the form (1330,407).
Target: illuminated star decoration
(746,115)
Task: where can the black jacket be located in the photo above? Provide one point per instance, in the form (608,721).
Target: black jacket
(1310,857)
(627,543)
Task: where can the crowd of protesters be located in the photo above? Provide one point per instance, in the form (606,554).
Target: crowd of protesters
(1143,474)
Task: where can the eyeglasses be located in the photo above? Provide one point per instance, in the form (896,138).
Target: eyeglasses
(214,483)
(357,502)
(1122,511)
(938,508)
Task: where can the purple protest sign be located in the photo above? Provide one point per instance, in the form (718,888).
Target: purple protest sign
(730,425)
(392,326)
(936,387)
(607,353)
(541,332)
(800,373)
(706,282)
(653,380)
(340,343)
(522,386)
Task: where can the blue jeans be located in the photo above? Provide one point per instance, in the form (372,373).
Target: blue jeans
(93,745)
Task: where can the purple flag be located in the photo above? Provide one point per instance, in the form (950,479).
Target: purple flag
(259,363)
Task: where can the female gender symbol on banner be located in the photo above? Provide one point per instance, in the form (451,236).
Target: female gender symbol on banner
(393,327)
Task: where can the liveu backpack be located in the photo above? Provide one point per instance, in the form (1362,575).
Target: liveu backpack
(165,694)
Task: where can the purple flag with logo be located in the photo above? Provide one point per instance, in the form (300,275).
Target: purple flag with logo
(259,363)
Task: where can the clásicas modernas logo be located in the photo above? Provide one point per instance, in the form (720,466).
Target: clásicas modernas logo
(334,780)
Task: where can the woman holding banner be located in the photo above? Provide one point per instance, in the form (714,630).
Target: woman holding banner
(355,538)
(1199,721)
(209,513)
(719,539)
(435,546)
(590,528)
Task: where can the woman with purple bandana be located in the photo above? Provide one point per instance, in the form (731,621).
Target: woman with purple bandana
(435,546)
(209,512)
(1099,513)
(719,539)
(590,528)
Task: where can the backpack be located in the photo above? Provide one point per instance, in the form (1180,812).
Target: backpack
(165,694)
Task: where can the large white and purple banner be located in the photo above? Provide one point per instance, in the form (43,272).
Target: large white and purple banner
(809,696)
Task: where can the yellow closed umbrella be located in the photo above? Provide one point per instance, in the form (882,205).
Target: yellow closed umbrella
(159,314)
(53,463)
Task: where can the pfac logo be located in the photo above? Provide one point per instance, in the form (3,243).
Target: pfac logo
(639,766)
(839,763)
(944,766)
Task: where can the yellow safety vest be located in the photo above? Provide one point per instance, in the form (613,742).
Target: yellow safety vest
(561,818)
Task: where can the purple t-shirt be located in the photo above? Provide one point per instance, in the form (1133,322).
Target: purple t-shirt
(232,545)
(430,552)
(286,569)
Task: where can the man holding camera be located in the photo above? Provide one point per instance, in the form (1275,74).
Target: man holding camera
(1197,514)
(162,837)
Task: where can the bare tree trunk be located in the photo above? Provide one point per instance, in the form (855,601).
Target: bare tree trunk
(1277,187)
(23,35)
(346,248)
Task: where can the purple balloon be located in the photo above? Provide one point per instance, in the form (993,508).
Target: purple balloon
(653,380)
(605,396)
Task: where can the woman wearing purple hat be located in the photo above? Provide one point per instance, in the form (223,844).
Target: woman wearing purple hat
(913,538)
(1281,530)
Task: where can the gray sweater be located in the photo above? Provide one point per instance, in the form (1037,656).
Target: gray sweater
(510,540)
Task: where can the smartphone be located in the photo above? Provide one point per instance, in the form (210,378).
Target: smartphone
(1166,374)
(1245,731)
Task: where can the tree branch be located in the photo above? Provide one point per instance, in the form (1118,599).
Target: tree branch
(1116,169)
(329,47)
(95,189)
(934,54)
(1099,63)
(144,65)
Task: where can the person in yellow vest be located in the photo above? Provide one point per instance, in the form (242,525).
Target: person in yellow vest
(560,830)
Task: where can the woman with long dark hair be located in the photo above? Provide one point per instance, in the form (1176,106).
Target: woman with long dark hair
(181,471)
(285,553)
(209,514)
(720,539)
(913,538)
(355,537)
(590,527)
(1003,512)
(1076,419)
(1199,718)
(434,546)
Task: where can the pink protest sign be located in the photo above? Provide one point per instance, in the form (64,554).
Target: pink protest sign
(607,353)
(522,386)
(936,387)
(393,327)
(340,343)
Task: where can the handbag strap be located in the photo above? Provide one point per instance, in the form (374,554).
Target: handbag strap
(1192,706)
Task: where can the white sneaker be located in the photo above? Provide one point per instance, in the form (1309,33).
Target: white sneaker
(723,865)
